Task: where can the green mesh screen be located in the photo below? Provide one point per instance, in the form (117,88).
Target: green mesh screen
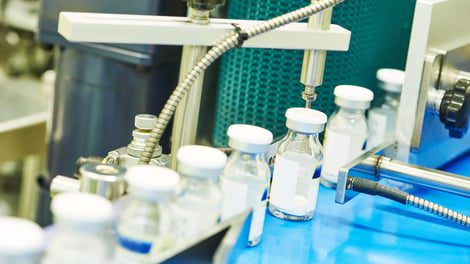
(256,86)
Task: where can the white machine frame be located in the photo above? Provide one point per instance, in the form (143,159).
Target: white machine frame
(421,136)
(164,30)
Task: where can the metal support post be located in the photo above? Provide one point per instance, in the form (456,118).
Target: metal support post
(187,114)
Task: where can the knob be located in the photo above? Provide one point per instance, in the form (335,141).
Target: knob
(145,121)
(455,109)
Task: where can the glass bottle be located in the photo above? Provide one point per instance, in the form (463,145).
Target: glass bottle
(294,188)
(382,120)
(346,131)
(197,208)
(83,223)
(145,226)
(21,241)
(245,179)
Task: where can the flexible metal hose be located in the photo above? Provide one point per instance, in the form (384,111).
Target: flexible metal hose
(438,210)
(375,188)
(228,42)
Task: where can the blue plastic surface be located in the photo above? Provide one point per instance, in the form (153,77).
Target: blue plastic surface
(366,230)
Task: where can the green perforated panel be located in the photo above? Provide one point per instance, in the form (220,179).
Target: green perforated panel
(256,86)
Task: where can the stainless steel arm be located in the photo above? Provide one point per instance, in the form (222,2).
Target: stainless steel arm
(435,179)
(374,167)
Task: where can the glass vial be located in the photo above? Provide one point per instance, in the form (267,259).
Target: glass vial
(245,179)
(145,226)
(294,188)
(83,223)
(21,241)
(382,120)
(197,208)
(346,131)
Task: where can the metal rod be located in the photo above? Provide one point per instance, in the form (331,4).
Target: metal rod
(187,114)
(61,184)
(435,179)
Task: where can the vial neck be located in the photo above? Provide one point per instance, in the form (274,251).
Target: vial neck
(85,228)
(197,183)
(236,154)
(350,112)
(298,136)
(392,100)
(150,199)
(301,142)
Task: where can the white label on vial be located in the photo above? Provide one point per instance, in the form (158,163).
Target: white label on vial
(377,129)
(294,189)
(312,194)
(234,197)
(284,182)
(272,151)
(187,222)
(257,221)
(337,153)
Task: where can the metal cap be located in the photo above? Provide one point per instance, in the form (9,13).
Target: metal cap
(305,120)
(248,138)
(145,121)
(352,96)
(102,172)
(103,179)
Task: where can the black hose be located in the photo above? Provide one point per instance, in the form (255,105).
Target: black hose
(374,188)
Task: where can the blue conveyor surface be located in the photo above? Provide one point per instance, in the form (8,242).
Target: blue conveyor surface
(366,230)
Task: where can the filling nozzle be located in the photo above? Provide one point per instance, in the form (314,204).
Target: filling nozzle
(314,60)
(309,95)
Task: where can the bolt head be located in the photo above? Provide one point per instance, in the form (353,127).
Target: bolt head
(145,121)
(309,97)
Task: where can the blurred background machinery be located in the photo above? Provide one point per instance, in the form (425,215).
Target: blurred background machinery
(26,84)
(100,88)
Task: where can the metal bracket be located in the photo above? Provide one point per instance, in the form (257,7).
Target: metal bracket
(232,226)
(360,167)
